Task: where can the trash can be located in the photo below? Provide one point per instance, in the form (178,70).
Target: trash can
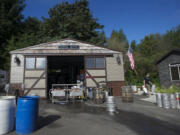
(7,113)
(27,114)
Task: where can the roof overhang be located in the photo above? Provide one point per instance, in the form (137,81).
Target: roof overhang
(177,51)
(52,48)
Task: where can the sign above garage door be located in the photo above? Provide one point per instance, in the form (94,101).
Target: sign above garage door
(68,47)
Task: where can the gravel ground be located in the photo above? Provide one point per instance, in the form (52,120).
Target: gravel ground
(138,118)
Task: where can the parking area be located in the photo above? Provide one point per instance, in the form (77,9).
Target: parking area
(138,118)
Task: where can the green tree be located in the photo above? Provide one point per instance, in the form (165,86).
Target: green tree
(73,20)
(134,45)
(101,40)
(173,37)
(10,23)
(31,34)
(118,41)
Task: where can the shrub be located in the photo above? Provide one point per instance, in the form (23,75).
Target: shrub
(170,90)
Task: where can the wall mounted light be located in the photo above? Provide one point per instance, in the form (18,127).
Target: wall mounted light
(118,59)
(17,60)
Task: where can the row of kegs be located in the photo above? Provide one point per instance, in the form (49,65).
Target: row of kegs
(167,101)
(26,119)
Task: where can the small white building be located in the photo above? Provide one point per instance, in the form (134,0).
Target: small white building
(64,62)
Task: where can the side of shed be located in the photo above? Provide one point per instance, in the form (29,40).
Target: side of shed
(165,71)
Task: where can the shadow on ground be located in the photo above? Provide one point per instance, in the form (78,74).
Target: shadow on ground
(78,107)
(145,125)
(47,120)
(141,124)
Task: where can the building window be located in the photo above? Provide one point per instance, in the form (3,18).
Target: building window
(175,74)
(40,63)
(90,63)
(95,62)
(100,63)
(30,63)
(35,63)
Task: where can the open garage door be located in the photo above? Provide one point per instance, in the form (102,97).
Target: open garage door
(64,69)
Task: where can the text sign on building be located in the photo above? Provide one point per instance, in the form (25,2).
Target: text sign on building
(68,47)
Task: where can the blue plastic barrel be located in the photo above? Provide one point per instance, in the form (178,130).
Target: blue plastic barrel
(27,114)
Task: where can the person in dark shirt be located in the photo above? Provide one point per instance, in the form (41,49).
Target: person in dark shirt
(147,83)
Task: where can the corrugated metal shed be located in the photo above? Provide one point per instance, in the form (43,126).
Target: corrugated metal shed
(52,48)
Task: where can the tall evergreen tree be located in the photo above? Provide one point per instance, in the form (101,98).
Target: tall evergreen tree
(118,41)
(10,23)
(73,20)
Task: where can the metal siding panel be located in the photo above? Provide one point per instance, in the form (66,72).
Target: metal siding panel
(97,72)
(164,72)
(40,93)
(29,82)
(17,71)
(115,71)
(41,84)
(33,73)
(90,83)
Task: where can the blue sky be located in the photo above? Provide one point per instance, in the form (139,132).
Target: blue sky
(137,18)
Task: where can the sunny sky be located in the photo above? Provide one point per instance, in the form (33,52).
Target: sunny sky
(137,18)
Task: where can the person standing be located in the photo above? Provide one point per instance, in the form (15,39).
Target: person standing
(147,83)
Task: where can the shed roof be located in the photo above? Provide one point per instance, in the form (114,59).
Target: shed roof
(167,54)
(52,48)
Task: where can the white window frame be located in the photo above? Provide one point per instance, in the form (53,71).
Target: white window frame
(103,62)
(174,65)
(94,59)
(35,64)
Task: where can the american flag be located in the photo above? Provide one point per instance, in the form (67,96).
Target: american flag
(131,59)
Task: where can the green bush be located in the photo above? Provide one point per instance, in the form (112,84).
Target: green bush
(170,90)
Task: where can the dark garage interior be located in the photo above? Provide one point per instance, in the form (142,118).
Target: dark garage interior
(64,69)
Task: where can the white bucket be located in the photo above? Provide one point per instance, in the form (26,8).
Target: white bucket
(134,88)
(145,90)
(7,114)
(153,88)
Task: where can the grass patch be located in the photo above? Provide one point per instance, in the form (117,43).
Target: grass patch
(170,90)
